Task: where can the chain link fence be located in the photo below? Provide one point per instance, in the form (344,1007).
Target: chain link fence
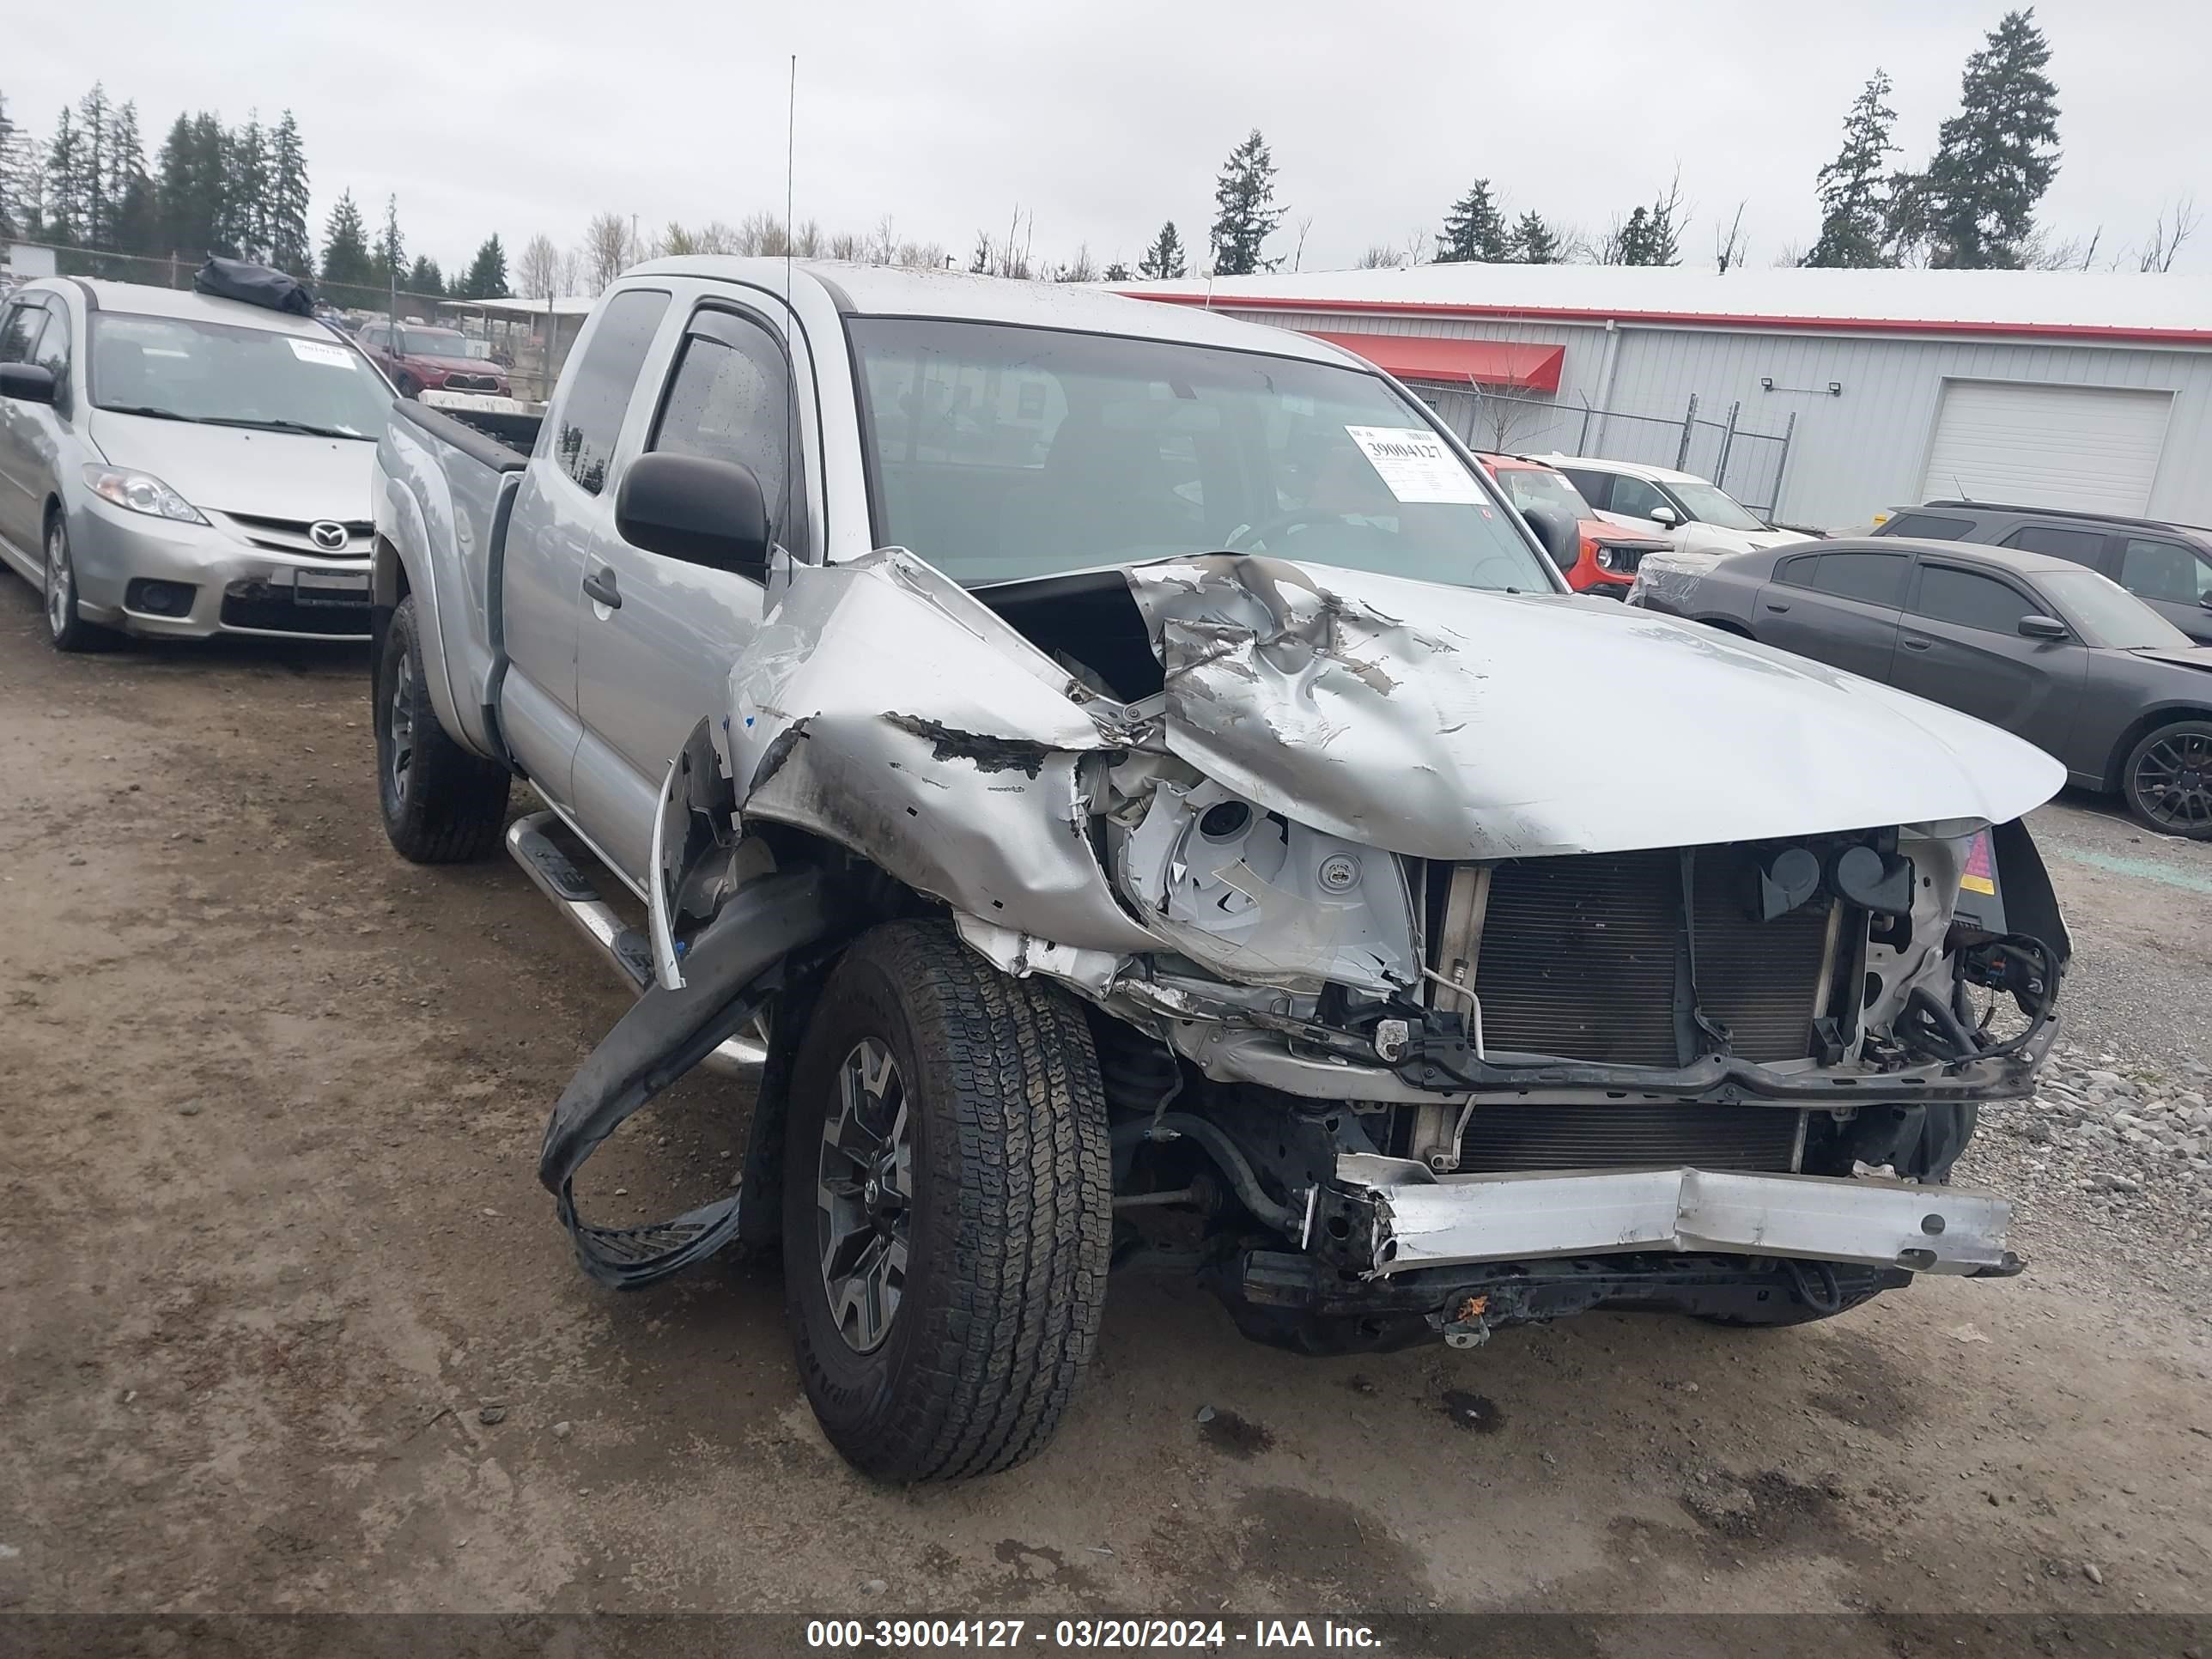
(28,259)
(1746,464)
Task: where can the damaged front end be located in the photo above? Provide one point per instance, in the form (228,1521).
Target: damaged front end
(1393,977)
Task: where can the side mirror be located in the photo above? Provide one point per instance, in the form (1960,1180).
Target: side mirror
(703,512)
(2044,627)
(1665,515)
(1562,536)
(27,383)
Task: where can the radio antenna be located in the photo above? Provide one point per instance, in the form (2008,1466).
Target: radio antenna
(790,317)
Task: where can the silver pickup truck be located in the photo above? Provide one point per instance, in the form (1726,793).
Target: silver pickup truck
(1138,797)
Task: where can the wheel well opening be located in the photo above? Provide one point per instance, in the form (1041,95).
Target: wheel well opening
(2137,730)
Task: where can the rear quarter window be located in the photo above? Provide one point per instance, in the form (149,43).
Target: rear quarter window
(1928,527)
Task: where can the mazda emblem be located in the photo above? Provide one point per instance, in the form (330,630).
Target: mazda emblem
(327,535)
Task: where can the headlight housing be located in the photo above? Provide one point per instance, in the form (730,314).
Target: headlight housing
(139,492)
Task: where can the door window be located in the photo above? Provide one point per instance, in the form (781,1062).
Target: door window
(1970,600)
(2081,546)
(730,399)
(1634,497)
(601,382)
(1595,487)
(51,352)
(2165,571)
(1872,578)
(19,331)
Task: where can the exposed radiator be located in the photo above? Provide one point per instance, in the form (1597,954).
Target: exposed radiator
(1585,957)
(1503,1138)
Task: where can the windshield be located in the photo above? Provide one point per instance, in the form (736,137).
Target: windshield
(441,342)
(1710,504)
(1532,487)
(998,454)
(188,369)
(2107,614)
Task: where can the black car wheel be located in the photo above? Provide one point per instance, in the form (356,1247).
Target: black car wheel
(441,804)
(2167,780)
(947,1214)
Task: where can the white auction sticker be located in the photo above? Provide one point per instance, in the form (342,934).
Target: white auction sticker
(1415,464)
(321,351)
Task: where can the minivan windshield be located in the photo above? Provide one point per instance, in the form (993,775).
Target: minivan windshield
(184,368)
(1710,504)
(998,454)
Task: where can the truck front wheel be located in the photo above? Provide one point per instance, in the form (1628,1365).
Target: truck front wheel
(442,804)
(947,1209)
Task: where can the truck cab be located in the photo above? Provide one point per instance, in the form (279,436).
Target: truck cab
(1103,767)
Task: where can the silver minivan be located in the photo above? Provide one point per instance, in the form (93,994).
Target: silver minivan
(175,464)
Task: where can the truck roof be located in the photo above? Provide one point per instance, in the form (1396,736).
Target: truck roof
(886,291)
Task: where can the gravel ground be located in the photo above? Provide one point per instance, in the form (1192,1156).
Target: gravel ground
(286,1323)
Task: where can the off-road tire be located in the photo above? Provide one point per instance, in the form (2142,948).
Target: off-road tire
(453,804)
(2193,737)
(1012,1212)
(66,631)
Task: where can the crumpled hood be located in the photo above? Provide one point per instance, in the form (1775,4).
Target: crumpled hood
(270,475)
(1448,723)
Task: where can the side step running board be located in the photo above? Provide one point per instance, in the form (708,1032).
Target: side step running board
(626,948)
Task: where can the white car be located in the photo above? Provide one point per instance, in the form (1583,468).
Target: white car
(1692,513)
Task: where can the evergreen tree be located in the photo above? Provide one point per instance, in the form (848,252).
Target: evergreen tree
(64,221)
(1245,215)
(11,207)
(1164,258)
(188,188)
(390,256)
(130,192)
(1649,235)
(487,274)
(346,259)
(424,277)
(22,178)
(288,248)
(1475,229)
(90,188)
(246,190)
(1117,272)
(1534,242)
(1854,188)
(1975,205)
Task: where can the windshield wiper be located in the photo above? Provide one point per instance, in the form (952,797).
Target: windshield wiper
(287,426)
(150,412)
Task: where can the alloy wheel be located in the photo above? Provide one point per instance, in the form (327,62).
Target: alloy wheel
(60,581)
(863,1196)
(2173,780)
(400,708)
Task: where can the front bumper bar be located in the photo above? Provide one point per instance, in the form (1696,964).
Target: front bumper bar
(1386,1215)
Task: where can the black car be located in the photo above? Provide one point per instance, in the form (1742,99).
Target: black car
(2033,643)
(2168,566)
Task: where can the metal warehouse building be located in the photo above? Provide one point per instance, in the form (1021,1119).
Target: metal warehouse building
(1821,396)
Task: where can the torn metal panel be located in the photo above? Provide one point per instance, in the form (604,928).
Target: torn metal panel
(1093,972)
(1430,720)
(885,709)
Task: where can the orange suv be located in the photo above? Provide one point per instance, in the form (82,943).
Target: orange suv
(1602,557)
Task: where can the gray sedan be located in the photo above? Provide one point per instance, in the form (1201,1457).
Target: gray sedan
(176,464)
(2062,656)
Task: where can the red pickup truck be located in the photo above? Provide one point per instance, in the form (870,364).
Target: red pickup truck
(420,360)
(1605,556)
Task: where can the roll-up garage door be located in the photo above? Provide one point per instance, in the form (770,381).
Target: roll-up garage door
(2094,448)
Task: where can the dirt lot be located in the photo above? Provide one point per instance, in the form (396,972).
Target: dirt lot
(286,1324)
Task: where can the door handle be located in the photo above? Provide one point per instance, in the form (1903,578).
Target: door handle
(600,586)
(1914,642)
(1770,605)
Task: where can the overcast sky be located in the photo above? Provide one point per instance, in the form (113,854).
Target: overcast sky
(1105,120)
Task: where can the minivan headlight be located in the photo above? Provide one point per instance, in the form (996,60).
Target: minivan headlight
(139,492)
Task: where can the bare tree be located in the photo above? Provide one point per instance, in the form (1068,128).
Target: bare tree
(807,241)
(1380,257)
(606,249)
(1081,269)
(1792,254)
(1728,244)
(2042,252)
(570,279)
(1299,254)
(2167,236)
(846,246)
(538,270)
